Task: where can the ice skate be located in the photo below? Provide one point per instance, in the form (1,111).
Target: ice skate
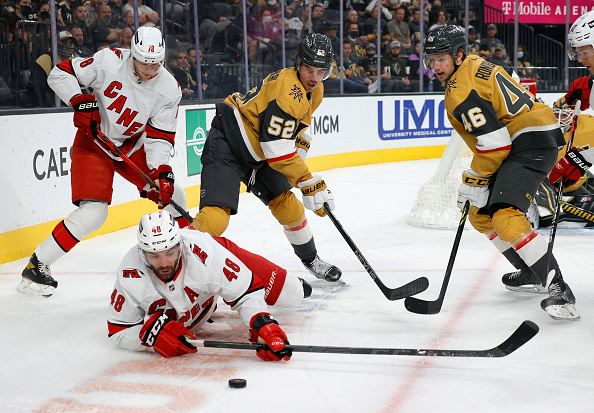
(323,270)
(37,279)
(524,281)
(560,304)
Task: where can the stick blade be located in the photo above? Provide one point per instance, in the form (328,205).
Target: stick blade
(524,333)
(414,287)
(418,306)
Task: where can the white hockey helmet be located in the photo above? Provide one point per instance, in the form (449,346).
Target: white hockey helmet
(564,114)
(148,45)
(157,231)
(580,34)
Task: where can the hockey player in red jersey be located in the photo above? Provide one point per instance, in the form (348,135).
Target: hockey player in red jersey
(258,139)
(134,103)
(514,140)
(169,285)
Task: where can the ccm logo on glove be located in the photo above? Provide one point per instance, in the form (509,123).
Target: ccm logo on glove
(474,180)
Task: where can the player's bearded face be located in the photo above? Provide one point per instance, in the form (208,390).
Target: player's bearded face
(310,76)
(145,70)
(164,263)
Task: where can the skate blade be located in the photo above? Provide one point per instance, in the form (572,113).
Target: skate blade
(528,288)
(563,312)
(28,287)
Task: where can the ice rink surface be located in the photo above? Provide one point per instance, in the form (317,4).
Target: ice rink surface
(55,355)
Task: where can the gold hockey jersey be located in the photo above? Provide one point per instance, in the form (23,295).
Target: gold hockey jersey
(493,113)
(270,117)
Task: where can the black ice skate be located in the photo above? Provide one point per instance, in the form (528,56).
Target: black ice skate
(37,279)
(560,304)
(323,270)
(524,281)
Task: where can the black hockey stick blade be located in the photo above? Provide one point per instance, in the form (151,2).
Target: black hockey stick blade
(418,306)
(411,288)
(521,336)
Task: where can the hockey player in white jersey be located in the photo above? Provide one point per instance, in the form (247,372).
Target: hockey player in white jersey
(134,103)
(169,285)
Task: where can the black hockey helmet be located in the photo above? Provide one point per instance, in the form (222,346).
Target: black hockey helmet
(315,50)
(444,39)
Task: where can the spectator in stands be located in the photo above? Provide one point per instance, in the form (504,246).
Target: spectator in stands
(331,32)
(117,13)
(474,45)
(394,5)
(434,8)
(92,9)
(369,61)
(442,20)
(499,57)
(79,18)
(394,77)
(43,13)
(65,13)
(399,30)
(524,63)
(43,65)
(352,69)
(318,23)
(124,39)
(179,67)
(351,83)
(210,86)
(487,44)
(415,26)
(370,28)
(83,50)
(146,16)
(358,43)
(416,68)
(351,17)
(102,32)
(22,11)
(386,15)
(129,20)
(210,23)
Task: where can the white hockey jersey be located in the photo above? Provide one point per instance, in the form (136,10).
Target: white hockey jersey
(143,111)
(207,271)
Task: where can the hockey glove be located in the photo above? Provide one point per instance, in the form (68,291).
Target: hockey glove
(166,336)
(474,188)
(570,168)
(265,328)
(315,193)
(580,90)
(86,110)
(302,144)
(164,178)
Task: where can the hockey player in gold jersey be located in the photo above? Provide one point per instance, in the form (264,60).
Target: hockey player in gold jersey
(258,139)
(514,140)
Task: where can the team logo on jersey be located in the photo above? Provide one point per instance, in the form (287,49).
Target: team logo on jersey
(451,84)
(296,92)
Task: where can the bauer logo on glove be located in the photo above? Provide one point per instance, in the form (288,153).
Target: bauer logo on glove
(314,188)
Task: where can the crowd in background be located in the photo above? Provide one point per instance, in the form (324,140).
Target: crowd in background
(83,28)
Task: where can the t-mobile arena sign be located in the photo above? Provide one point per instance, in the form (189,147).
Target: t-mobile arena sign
(541,12)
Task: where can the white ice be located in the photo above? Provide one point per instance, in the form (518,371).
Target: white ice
(55,355)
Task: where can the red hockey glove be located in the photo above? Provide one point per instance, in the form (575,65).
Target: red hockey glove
(580,90)
(164,178)
(265,327)
(570,168)
(166,336)
(86,110)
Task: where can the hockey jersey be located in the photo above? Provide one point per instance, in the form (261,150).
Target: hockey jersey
(493,113)
(266,121)
(207,271)
(133,112)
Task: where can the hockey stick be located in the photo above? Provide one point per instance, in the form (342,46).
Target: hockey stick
(412,288)
(521,336)
(415,305)
(574,121)
(107,144)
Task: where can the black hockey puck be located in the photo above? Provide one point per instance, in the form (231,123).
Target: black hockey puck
(237,383)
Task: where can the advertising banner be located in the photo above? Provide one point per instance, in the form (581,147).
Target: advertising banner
(540,11)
